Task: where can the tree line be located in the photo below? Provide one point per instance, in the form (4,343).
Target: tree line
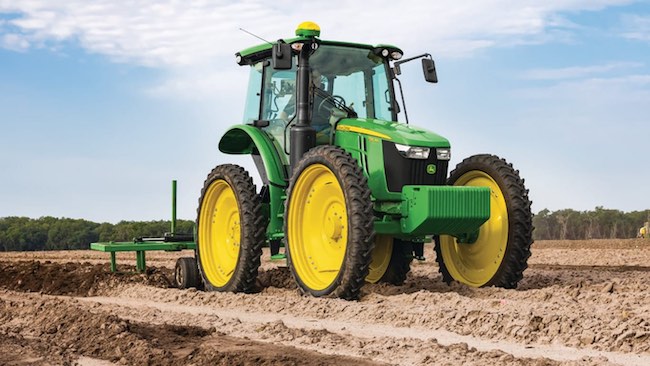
(51,233)
(600,223)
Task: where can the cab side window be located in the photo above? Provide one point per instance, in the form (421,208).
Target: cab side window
(279,88)
(254,94)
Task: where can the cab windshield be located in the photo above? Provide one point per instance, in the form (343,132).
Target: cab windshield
(356,77)
(344,82)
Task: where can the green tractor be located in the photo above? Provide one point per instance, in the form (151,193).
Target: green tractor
(347,188)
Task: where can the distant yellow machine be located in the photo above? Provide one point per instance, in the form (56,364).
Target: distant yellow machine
(644,232)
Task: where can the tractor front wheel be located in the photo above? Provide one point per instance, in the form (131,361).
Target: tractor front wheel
(230,230)
(498,257)
(391,260)
(329,224)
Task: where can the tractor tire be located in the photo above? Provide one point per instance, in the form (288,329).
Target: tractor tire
(391,260)
(400,263)
(230,230)
(329,233)
(500,254)
(186,273)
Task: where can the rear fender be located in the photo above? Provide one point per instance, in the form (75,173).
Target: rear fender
(244,139)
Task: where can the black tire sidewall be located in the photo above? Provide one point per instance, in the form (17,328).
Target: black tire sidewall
(340,286)
(515,194)
(400,263)
(250,248)
(189,271)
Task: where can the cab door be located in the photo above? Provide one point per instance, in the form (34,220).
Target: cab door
(278,106)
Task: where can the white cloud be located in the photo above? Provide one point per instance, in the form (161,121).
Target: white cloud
(195,41)
(636,27)
(576,72)
(174,33)
(14,42)
(600,92)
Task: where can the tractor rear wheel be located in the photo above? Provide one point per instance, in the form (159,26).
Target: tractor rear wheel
(329,224)
(391,260)
(230,230)
(499,255)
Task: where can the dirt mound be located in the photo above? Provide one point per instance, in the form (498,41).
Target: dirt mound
(78,279)
(67,329)
(276,277)
(85,279)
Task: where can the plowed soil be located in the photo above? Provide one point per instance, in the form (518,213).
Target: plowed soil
(580,303)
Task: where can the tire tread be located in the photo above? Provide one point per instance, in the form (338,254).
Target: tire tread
(252,223)
(520,235)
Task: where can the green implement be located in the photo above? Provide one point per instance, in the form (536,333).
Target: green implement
(139,248)
(169,242)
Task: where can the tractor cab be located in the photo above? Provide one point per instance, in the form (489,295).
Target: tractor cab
(345,81)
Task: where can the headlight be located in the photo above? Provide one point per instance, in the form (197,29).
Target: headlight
(413,152)
(395,55)
(443,153)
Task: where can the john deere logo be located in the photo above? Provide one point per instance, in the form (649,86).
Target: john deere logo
(431,169)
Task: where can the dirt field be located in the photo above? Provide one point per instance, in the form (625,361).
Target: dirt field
(580,303)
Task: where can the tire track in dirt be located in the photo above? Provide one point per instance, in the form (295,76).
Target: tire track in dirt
(368,349)
(490,317)
(386,334)
(487,313)
(60,330)
(563,267)
(592,304)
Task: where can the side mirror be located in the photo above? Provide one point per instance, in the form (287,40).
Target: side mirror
(281,56)
(429,69)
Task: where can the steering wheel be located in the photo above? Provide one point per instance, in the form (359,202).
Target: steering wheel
(331,102)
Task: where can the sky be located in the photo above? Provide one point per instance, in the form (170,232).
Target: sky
(103,103)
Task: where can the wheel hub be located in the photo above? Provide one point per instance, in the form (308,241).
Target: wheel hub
(317,227)
(333,225)
(220,233)
(233,229)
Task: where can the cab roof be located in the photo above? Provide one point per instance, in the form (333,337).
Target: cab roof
(257,53)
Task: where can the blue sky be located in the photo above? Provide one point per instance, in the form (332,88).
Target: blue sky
(102,104)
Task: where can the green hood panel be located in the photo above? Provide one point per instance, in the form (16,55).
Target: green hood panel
(399,133)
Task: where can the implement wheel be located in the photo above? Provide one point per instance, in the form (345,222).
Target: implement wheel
(499,255)
(230,230)
(391,260)
(329,224)
(186,273)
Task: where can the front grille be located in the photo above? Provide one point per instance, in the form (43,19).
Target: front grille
(401,171)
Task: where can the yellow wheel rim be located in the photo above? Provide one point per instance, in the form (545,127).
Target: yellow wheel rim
(219,233)
(317,227)
(475,264)
(380,258)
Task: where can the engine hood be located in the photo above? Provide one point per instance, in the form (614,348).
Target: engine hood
(399,133)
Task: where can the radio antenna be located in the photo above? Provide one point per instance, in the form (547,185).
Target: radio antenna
(254,35)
